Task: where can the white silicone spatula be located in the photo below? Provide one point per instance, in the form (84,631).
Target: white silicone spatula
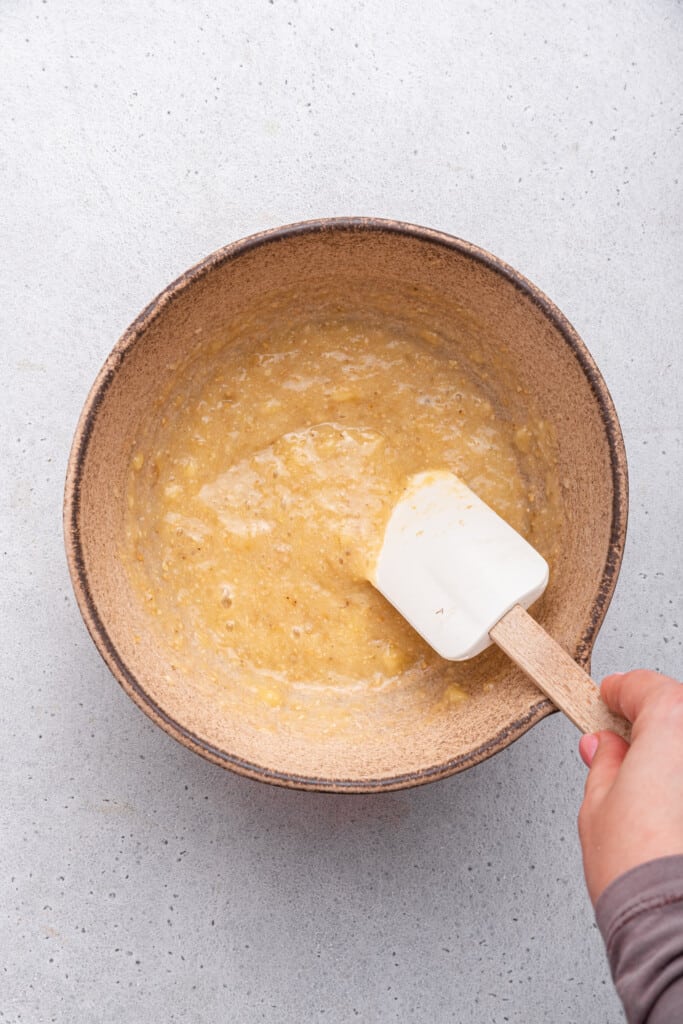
(462,577)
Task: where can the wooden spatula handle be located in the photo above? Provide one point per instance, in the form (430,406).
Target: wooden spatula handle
(555,673)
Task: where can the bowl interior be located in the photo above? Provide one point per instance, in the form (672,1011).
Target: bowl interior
(493,318)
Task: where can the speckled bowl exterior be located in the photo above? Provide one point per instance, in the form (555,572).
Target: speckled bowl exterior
(491,300)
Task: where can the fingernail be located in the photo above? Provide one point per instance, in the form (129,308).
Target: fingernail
(587,748)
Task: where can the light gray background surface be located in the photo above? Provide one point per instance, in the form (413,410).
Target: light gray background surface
(139,883)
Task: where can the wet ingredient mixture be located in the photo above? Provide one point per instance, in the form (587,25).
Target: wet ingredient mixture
(259,489)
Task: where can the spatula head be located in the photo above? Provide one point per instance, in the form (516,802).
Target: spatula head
(452,567)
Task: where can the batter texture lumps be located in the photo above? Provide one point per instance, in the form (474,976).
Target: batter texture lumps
(259,488)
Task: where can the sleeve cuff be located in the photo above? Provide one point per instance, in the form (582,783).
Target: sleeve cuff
(640,916)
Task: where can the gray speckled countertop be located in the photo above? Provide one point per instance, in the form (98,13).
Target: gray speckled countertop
(139,883)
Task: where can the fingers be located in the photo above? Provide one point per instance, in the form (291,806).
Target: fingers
(629,693)
(606,760)
(587,747)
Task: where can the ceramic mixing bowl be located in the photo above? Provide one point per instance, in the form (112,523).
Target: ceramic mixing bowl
(428,278)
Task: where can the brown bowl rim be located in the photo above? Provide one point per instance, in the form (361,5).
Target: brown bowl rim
(86,423)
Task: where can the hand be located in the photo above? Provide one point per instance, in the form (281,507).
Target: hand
(632,809)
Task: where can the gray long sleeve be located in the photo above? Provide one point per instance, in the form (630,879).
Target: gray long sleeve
(640,916)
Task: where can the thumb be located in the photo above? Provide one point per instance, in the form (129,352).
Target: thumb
(607,760)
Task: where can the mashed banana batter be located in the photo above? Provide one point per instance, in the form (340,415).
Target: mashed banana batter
(259,490)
